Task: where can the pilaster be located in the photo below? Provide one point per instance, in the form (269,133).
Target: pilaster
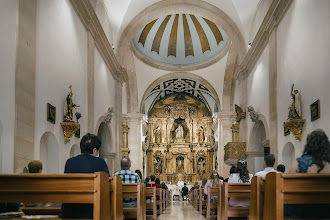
(134,122)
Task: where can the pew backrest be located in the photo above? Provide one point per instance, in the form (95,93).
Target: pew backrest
(299,188)
(58,188)
(116,197)
(134,191)
(256,198)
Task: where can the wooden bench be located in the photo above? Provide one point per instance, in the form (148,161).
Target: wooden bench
(150,193)
(202,201)
(256,198)
(134,191)
(116,198)
(163,200)
(283,189)
(159,201)
(41,210)
(234,190)
(214,191)
(58,188)
(168,197)
(196,198)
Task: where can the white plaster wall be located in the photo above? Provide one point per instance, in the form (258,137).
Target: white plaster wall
(103,16)
(8,20)
(258,90)
(61,60)
(303,59)
(104,92)
(75,150)
(49,153)
(214,74)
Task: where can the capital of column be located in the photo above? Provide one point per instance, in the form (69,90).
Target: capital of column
(222,116)
(132,117)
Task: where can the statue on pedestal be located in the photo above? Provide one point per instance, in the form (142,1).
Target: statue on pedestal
(69,105)
(295,108)
(179,132)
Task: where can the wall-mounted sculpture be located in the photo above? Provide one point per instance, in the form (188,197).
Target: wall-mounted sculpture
(240,114)
(295,123)
(108,115)
(68,125)
(253,114)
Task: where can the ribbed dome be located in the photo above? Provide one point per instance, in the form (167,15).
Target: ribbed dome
(180,39)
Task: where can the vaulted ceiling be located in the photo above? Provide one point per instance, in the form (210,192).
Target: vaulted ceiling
(180,39)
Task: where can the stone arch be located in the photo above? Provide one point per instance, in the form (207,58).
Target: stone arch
(49,153)
(163,8)
(1,131)
(259,133)
(180,74)
(288,155)
(75,150)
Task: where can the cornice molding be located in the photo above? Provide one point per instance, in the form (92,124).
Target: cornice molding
(274,15)
(89,18)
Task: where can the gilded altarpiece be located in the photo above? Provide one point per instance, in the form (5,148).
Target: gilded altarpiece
(179,140)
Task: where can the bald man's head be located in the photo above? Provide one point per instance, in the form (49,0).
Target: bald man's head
(125,163)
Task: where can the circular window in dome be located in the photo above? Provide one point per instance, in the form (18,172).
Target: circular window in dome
(179,40)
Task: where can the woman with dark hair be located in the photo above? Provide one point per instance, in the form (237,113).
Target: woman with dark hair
(315,159)
(146,181)
(316,155)
(138,172)
(242,176)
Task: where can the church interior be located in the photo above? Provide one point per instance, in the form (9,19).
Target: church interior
(181,87)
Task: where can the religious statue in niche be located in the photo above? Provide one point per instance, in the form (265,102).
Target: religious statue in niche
(201,165)
(158,165)
(179,132)
(295,108)
(69,105)
(180,164)
(158,136)
(201,135)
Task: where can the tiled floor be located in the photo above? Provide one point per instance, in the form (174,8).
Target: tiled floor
(180,210)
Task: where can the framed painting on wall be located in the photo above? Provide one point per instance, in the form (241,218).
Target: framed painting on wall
(51,113)
(315,110)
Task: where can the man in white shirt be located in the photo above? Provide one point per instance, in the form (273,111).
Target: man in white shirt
(269,162)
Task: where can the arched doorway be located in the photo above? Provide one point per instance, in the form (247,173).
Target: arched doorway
(104,134)
(75,150)
(288,155)
(256,147)
(49,153)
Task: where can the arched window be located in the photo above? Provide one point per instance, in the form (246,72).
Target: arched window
(49,153)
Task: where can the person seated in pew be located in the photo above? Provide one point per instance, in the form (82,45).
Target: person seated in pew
(146,181)
(232,170)
(152,182)
(269,162)
(242,176)
(128,176)
(163,185)
(315,159)
(87,162)
(213,181)
(138,172)
(281,168)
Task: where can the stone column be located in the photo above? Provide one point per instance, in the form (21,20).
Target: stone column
(118,121)
(273,93)
(225,121)
(25,78)
(134,122)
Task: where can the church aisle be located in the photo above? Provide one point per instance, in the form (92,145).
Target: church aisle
(180,210)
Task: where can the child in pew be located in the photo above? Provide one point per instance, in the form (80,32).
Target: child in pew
(233,170)
(242,176)
(315,159)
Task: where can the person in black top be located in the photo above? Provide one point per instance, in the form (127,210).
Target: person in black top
(184,192)
(87,162)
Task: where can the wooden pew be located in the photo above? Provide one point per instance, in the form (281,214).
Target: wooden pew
(234,190)
(58,188)
(134,191)
(150,192)
(202,202)
(116,197)
(256,198)
(159,201)
(163,199)
(196,198)
(41,210)
(283,189)
(214,191)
